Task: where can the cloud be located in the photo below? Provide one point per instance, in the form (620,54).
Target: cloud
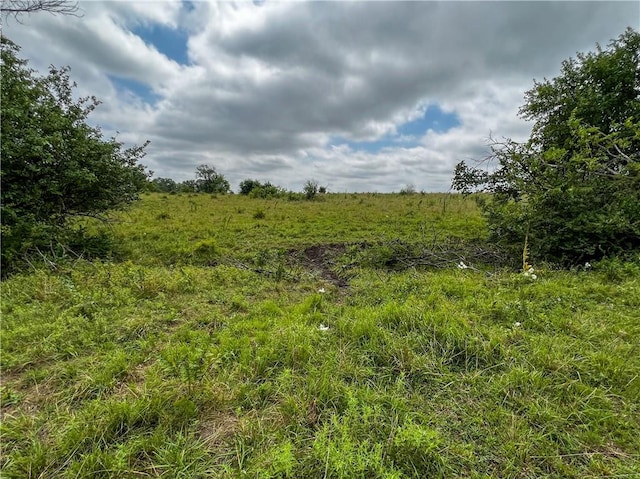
(268,88)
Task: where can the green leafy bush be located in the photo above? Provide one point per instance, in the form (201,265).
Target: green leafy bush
(256,189)
(310,189)
(55,167)
(574,188)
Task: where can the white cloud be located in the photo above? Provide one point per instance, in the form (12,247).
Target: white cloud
(269,86)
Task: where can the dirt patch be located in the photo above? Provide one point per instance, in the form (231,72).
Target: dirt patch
(321,259)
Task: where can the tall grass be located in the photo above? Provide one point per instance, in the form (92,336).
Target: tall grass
(185,357)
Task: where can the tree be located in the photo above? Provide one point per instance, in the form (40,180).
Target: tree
(208,180)
(187,186)
(19,7)
(310,189)
(165,185)
(573,190)
(55,167)
(248,185)
(409,189)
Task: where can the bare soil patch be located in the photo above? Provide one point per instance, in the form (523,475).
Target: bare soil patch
(321,259)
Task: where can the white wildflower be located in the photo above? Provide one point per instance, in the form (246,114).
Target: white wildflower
(533,276)
(587,265)
(461,265)
(321,291)
(322,327)
(518,324)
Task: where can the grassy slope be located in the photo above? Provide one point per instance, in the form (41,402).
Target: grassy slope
(180,360)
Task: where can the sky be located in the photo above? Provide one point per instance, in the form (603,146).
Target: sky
(359,96)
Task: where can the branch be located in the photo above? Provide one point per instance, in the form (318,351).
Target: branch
(55,7)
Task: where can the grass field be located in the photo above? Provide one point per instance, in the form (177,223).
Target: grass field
(337,338)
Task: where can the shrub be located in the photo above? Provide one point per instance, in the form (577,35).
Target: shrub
(574,188)
(55,167)
(310,189)
(164,185)
(247,186)
(409,189)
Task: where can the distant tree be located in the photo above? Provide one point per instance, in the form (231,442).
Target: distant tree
(55,167)
(249,185)
(256,189)
(165,185)
(208,180)
(322,190)
(574,188)
(187,186)
(409,189)
(310,189)
(268,190)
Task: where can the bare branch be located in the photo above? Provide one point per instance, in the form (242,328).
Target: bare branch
(16,8)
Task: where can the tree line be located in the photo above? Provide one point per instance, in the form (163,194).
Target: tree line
(209,180)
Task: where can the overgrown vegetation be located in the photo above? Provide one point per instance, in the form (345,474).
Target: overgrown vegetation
(55,167)
(574,188)
(223,345)
(257,189)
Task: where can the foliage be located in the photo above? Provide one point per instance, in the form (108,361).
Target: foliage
(164,185)
(248,185)
(187,186)
(409,189)
(256,189)
(268,190)
(310,189)
(574,188)
(208,180)
(55,167)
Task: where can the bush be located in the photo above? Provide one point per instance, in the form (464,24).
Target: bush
(55,167)
(247,186)
(310,189)
(409,189)
(574,188)
(255,189)
(164,185)
(268,191)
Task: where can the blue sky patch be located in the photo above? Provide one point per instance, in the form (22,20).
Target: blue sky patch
(170,42)
(408,134)
(433,118)
(142,91)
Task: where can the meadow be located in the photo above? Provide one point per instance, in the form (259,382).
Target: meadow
(353,336)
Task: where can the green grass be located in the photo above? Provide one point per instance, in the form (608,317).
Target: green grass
(206,348)
(178,229)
